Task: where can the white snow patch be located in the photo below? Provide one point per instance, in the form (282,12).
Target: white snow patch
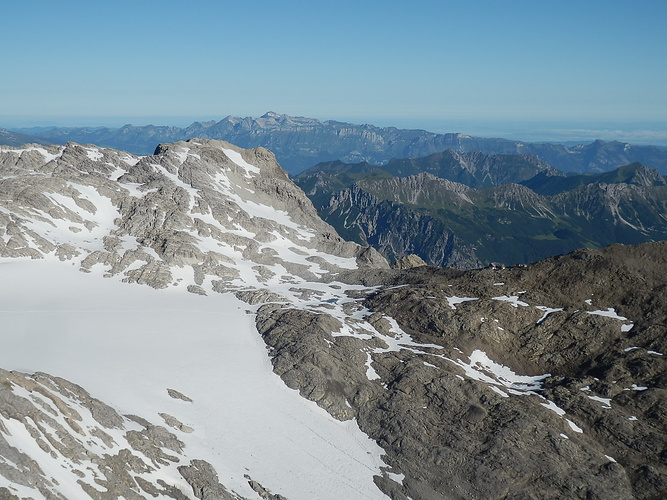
(609,313)
(550,405)
(452,301)
(499,391)
(574,426)
(396,477)
(547,310)
(131,160)
(370,371)
(513,299)
(482,368)
(606,402)
(238,159)
(94,154)
(47,156)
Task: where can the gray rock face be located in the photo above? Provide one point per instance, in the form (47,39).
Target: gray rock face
(544,382)
(50,424)
(206,205)
(397,230)
(451,225)
(204,216)
(474,169)
(409,261)
(204,481)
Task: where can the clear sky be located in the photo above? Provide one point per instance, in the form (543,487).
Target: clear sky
(428,64)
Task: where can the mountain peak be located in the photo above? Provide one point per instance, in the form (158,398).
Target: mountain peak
(201,203)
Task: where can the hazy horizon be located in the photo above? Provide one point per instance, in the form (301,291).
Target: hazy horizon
(639,133)
(441,66)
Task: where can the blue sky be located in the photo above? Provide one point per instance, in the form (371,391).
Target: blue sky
(428,64)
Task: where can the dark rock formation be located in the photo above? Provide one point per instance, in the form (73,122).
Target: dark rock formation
(450,224)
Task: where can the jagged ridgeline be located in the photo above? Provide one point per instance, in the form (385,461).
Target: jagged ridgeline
(468,210)
(205,204)
(545,381)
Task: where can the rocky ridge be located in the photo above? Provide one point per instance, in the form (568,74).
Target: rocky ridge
(451,224)
(108,455)
(473,169)
(205,204)
(203,217)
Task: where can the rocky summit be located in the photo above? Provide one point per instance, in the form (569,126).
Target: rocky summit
(202,204)
(183,325)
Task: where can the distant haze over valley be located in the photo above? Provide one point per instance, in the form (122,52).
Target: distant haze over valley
(562,132)
(559,131)
(301,142)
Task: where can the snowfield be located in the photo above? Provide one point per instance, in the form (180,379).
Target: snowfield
(128,344)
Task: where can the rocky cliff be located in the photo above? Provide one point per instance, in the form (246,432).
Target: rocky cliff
(202,224)
(205,204)
(451,224)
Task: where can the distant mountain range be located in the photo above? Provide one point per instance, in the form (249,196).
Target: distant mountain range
(8,138)
(486,208)
(300,143)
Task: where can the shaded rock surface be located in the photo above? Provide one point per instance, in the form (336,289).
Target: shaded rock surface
(452,224)
(544,381)
(540,381)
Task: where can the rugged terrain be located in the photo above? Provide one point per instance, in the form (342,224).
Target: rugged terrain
(211,231)
(474,169)
(543,381)
(300,143)
(538,213)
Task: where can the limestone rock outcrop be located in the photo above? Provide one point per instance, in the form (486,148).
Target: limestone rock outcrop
(202,204)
